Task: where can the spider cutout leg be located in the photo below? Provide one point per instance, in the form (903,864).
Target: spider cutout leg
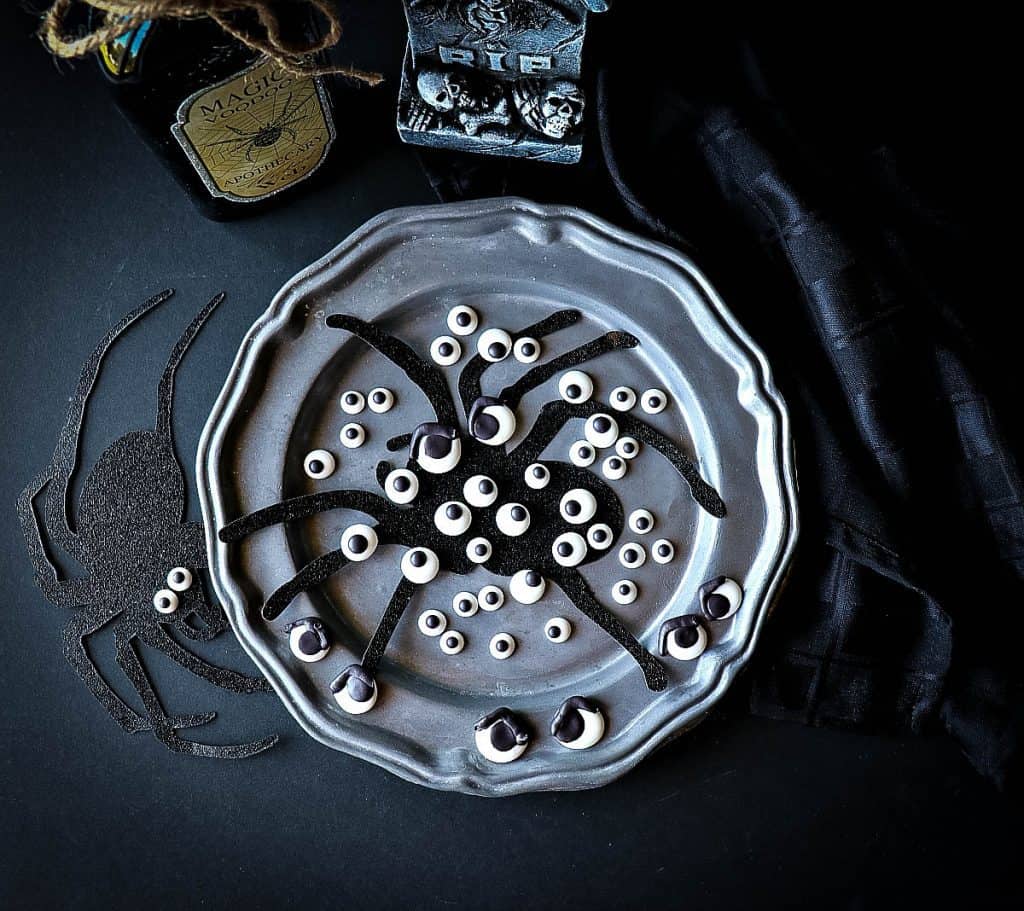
(158,638)
(386,627)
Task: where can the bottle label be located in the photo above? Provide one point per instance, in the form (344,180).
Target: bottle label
(257,133)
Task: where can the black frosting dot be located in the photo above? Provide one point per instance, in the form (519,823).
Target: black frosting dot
(716,605)
(379,398)
(352,433)
(486,486)
(163,601)
(664,550)
(501,645)
(655,401)
(573,508)
(316,466)
(573,391)
(401,483)
(358,690)
(462,318)
(437,446)
(602,424)
(497,350)
(432,621)
(485,426)
(453,511)
(533,578)
(631,556)
(309,643)
(518,513)
(528,349)
(358,544)
(351,399)
(624,589)
(539,471)
(178,576)
(465,605)
(614,464)
(452,642)
(503,738)
(553,632)
(585,452)
(491,597)
(418,558)
(687,636)
(564,549)
(445,349)
(628,446)
(481,549)
(622,395)
(599,535)
(643,522)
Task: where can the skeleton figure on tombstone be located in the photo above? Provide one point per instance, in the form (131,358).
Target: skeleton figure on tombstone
(472,101)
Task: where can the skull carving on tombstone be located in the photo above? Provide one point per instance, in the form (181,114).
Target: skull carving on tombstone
(553,108)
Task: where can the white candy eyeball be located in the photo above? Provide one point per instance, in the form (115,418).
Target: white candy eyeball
(445,350)
(582,454)
(380,400)
(491,598)
(632,556)
(453,642)
(432,623)
(578,506)
(401,486)
(480,491)
(641,521)
(308,640)
(720,598)
(494,345)
(352,402)
(179,579)
(537,476)
(684,638)
(479,550)
(527,586)
(462,320)
(599,536)
(558,630)
(355,690)
(526,350)
(579,723)
(165,601)
(614,468)
(622,398)
(601,430)
(437,449)
(653,401)
(358,542)
(465,604)
(575,387)
(453,518)
(420,565)
(501,736)
(627,447)
(624,591)
(502,646)
(569,549)
(352,436)
(319,464)
(663,551)
(512,519)
(491,422)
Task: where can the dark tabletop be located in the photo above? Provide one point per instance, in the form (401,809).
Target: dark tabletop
(740,811)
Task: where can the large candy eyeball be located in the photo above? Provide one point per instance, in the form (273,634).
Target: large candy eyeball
(420,565)
(352,436)
(179,579)
(663,551)
(380,400)
(653,401)
(578,724)
(465,604)
(526,350)
(432,623)
(445,350)
(578,506)
(632,556)
(627,447)
(622,398)
(480,491)
(436,447)
(358,542)
(453,518)
(575,387)
(512,519)
(582,454)
(527,586)
(501,736)
(319,464)
(308,640)
(502,646)
(569,549)
(494,345)
(452,642)
(558,630)
(641,521)
(462,320)
(401,486)
(614,468)
(352,402)
(491,422)
(601,430)
(355,690)
(491,598)
(624,591)
(599,536)
(537,476)
(720,598)
(165,601)
(684,638)
(479,550)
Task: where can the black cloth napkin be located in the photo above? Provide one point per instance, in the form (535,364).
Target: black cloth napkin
(827,187)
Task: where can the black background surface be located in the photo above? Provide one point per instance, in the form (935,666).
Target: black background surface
(739,811)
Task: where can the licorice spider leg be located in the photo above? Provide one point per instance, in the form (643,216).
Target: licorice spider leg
(312,574)
(303,507)
(386,627)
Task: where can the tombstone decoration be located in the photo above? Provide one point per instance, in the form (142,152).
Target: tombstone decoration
(500,77)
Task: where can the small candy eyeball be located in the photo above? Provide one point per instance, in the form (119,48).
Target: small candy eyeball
(352,436)
(381,400)
(491,422)
(452,642)
(480,491)
(494,345)
(420,565)
(627,447)
(641,521)
(479,550)
(512,519)
(165,601)
(614,468)
(355,690)
(501,736)
(465,604)
(526,350)
(663,551)
(558,630)
(359,542)
(622,398)
(653,401)
(632,556)
(453,518)
(684,638)
(599,536)
(601,430)
(445,350)
(578,506)
(720,598)
(578,724)
(401,486)
(569,549)
(502,646)
(527,586)
(624,591)
(575,387)
(582,454)
(352,402)
(319,464)
(308,639)
(537,476)
(179,579)
(491,598)
(436,448)
(462,320)
(432,623)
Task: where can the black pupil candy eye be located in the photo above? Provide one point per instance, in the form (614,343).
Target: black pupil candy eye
(309,643)
(717,605)
(462,319)
(501,645)
(614,463)
(465,605)
(655,401)
(600,534)
(552,632)
(642,522)
(664,550)
(564,549)
(539,472)
(622,396)
(351,399)
(533,579)
(585,452)
(379,398)
(491,598)
(486,487)
(357,544)
(687,636)
(623,589)
(631,555)
(496,350)
(432,621)
(418,558)
(401,483)
(573,508)
(445,349)
(602,425)
(481,549)
(573,391)
(452,642)
(351,433)
(628,447)
(316,466)
(528,349)
(454,511)
(518,513)
(437,446)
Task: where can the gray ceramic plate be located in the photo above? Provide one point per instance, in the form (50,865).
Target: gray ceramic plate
(514,262)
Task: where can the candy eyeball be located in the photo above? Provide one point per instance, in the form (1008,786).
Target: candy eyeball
(527,586)
(352,402)
(599,536)
(502,646)
(614,468)
(358,542)
(641,521)
(355,690)
(179,579)
(479,550)
(420,565)
(465,604)
(491,422)
(569,549)
(445,350)
(308,640)
(452,642)
(491,598)
(319,464)
(627,447)
(582,454)
(512,519)
(558,630)
(622,398)
(401,486)
(380,400)
(501,736)
(537,476)
(463,320)
(601,430)
(579,723)
(653,401)
(632,556)
(494,345)
(526,350)
(165,601)
(436,448)
(683,638)
(480,491)
(578,506)
(575,387)
(663,551)
(352,436)
(432,623)
(624,591)
(453,518)
(720,598)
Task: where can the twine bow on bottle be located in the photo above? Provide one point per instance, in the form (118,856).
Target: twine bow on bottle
(255,23)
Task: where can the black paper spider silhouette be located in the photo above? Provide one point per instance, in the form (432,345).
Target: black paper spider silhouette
(267,133)
(438,524)
(142,561)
